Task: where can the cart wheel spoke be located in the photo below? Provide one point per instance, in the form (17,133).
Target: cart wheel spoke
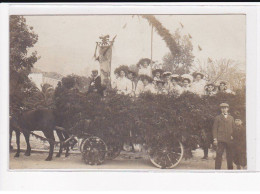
(167,156)
(93,150)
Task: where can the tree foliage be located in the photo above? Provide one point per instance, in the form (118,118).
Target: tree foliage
(22,38)
(180,58)
(222,69)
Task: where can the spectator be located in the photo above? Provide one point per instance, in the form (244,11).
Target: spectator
(223,128)
(239,142)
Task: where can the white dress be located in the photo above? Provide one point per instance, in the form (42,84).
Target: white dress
(140,88)
(123,85)
(198,87)
(177,90)
(145,71)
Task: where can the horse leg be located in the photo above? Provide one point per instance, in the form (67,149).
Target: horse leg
(27,139)
(67,147)
(17,133)
(50,136)
(10,138)
(61,138)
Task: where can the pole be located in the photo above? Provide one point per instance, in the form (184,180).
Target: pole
(152,44)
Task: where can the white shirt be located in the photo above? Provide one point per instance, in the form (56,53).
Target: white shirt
(176,89)
(145,71)
(187,89)
(197,87)
(140,88)
(123,85)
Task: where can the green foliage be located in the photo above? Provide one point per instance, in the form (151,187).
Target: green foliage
(150,118)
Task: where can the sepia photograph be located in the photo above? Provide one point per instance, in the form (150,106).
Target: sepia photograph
(136,92)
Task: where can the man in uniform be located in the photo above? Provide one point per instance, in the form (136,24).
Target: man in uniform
(223,128)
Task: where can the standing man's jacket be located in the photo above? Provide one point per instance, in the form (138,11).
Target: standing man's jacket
(96,84)
(223,128)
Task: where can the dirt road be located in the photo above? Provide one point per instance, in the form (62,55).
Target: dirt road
(124,161)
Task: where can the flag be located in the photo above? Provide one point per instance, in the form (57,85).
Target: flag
(190,36)
(182,26)
(200,49)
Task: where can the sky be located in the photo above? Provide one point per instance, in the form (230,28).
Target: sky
(66,44)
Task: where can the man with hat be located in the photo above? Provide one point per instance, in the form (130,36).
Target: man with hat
(95,83)
(223,128)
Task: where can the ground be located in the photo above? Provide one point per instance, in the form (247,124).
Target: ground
(126,160)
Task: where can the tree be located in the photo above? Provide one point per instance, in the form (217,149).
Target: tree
(180,58)
(222,69)
(180,62)
(22,38)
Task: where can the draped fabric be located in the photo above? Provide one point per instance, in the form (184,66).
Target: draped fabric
(105,56)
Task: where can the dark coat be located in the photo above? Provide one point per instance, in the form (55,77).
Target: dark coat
(223,128)
(239,150)
(95,84)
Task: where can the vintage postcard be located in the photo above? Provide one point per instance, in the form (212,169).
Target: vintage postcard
(128,91)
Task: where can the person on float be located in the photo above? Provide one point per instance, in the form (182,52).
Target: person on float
(222,87)
(157,73)
(210,89)
(167,78)
(186,81)
(160,89)
(131,76)
(95,83)
(146,86)
(197,87)
(176,88)
(144,67)
(122,84)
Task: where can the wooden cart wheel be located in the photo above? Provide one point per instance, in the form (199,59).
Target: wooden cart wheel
(167,155)
(93,150)
(113,152)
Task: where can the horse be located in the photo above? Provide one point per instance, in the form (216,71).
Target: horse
(42,119)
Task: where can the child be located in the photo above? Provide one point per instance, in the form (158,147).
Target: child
(160,87)
(239,143)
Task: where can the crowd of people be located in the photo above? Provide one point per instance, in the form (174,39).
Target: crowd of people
(153,79)
(228,133)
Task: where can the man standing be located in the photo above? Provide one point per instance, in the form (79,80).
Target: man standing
(223,128)
(95,83)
